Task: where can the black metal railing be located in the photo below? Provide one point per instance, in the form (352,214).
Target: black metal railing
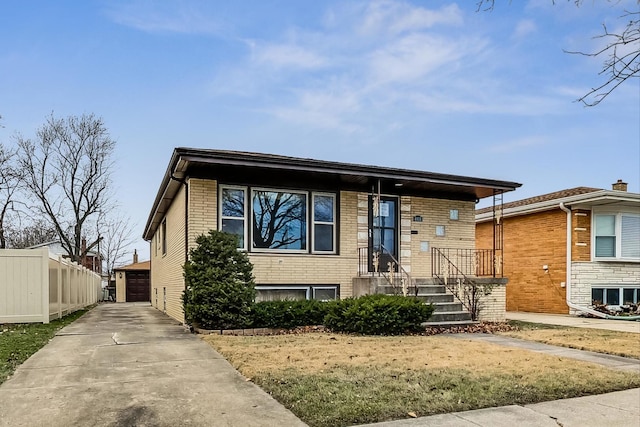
(458,269)
(396,276)
(468,262)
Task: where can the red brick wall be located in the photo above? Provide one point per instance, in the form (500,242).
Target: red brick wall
(531,241)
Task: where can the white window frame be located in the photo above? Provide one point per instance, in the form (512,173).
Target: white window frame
(246,211)
(307,289)
(310,290)
(314,222)
(309,218)
(315,288)
(618,236)
(620,288)
(280,190)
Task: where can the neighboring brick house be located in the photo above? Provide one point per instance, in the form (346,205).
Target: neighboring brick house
(310,227)
(568,249)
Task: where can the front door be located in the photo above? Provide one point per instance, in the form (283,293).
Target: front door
(383,232)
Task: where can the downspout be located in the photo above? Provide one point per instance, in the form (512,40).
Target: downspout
(568,279)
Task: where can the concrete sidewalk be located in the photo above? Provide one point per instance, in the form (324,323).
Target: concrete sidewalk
(576,321)
(620,409)
(130,365)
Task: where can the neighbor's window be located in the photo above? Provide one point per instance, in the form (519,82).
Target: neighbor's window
(279,220)
(617,236)
(232,213)
(324,218)
(614,295)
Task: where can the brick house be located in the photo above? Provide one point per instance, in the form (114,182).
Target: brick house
(568,249)
(312,229)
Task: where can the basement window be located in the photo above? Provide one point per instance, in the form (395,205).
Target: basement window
(615,295)
(296,292)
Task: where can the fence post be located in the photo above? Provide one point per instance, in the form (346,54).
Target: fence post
(60,284)
(44,270)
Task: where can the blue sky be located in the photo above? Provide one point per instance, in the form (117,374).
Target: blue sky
(423,85)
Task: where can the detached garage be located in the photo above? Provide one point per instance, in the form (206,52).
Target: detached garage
(132,282)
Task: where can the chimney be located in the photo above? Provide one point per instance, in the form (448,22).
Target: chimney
(619,186)
(135,256)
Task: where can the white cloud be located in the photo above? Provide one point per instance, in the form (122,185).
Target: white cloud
(524,28)
(287,56)
(323,109)
(164,17)
(379,61)
(413,57)
(397,17)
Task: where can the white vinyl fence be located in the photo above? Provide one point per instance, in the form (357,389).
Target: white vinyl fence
(36,286)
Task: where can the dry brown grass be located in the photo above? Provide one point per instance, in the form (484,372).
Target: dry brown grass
(333,379)
(625,344)
(315,353)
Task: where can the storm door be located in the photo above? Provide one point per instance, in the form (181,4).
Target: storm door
(383,232)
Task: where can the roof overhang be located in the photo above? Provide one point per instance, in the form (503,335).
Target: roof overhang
(602,199)
(186,162)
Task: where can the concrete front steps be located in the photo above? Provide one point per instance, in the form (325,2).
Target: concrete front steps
(447,311)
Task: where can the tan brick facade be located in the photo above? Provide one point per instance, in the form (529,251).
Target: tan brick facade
(530,242)
(167,282)
(459,234)
(306,269)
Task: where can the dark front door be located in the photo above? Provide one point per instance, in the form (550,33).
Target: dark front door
(383,232)
(138,286)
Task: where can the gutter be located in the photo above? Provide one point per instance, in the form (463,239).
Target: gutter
(568,279)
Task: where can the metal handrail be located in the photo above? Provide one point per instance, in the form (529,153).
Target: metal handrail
(469,301)
(363,267)
(404,282)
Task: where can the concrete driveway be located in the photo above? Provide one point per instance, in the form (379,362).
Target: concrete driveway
(130,365)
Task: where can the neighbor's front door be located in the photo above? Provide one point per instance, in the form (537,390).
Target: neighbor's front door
(383,231)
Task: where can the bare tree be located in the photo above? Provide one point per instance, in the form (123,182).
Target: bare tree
(67,171)
(621,52)
(30,235)
(10,177)
(116,243)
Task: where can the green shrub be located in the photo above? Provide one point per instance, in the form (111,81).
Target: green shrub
(288,314)
(377,315)
(219,283)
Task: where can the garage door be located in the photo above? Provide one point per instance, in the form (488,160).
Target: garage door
(138,286)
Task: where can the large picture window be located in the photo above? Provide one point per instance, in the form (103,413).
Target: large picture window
(279,220)
(617,236)
(266,219)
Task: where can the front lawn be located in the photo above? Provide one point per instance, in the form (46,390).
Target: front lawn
(338,380)
(626,344)
(18,341)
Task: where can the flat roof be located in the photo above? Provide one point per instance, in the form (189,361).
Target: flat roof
(236,165)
